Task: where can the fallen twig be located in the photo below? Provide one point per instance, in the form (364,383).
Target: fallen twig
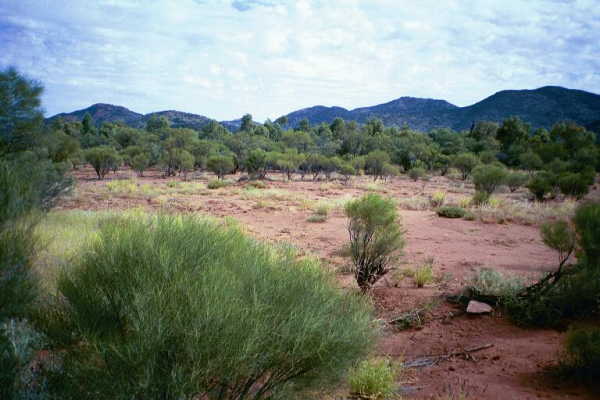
(427,361)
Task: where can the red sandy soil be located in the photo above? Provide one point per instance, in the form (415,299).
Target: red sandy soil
(514,368)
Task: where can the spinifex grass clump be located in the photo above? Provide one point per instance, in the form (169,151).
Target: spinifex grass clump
(375,235)
(179,308)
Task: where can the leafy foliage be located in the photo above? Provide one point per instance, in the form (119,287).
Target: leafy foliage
(375,235)
(176,307)
(373,379)
(451,212)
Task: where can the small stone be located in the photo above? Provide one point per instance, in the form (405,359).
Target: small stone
(477,307)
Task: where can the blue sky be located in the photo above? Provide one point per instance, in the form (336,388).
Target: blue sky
(269,57)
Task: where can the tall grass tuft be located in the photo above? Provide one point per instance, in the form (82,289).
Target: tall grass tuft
(181,307)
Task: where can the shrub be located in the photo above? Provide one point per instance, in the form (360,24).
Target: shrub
(437,199)
(139,163)
(374,235)
(583,351)
(322,210)
(515,180)
(540,185)
(416,173)
(465,162)
(103,159)
(373,379)
(573,184)
(217,184)
(480,198)
(179,307)
(220,165)
(487,178)
(423,275)
(451,212)
(571,291)
(489,282)
(317,218)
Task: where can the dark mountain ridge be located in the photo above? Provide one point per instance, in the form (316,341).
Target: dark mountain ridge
(542,107)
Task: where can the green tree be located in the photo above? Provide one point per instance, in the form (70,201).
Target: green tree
(139,163)
(220,165)
(103,159)
(487,178)
(465,162)
(21,116)
(246,124)
(375,163)
(157,123)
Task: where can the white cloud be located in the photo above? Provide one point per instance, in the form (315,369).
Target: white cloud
(268,57)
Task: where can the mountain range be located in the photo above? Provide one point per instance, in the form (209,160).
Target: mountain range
(541,107)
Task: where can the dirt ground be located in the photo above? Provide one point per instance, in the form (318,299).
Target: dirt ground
(513,368)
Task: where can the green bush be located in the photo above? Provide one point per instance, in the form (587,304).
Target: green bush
(217,184)
(541,185)
(573,184)
(139,163)
(465,162)
(103,159)
(451,212)
(583,351)
(480,198)
(437,199)
(515,180)
(180,307)
(220,165)
(423,275)
(492,283)
(416,173)
(373,379)
(572,291)
(375,235)
(317,218)
(487,178)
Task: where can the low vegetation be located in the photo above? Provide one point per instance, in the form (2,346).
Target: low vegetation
(136,274)
(373,379)
(375,235)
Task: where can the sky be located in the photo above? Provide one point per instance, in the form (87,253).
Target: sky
(223,59)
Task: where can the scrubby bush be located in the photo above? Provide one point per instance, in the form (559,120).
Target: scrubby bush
(317,218)
(423,274)
(487,178)
(437,199)
(465,162)
(375,235)
(480,198)
(451,212)
(373,379)
(541,185)
(582,347)
(103,159)
(139,163)
(416,173)
(217,184)
(220,165)
(515,180)
(573,184)
(489,283)
(572,290)
(179,307)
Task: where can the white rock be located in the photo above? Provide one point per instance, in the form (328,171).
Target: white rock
(477,307)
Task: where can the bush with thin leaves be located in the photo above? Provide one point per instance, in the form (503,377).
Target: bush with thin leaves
(487,178)
(582,347)
(515,180)
(573,184)
(373,379)
(451,212)
(375,235)
(179,307)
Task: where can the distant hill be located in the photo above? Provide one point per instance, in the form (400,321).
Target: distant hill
(180,119)
(110,113)
(103,113)
(541,107)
